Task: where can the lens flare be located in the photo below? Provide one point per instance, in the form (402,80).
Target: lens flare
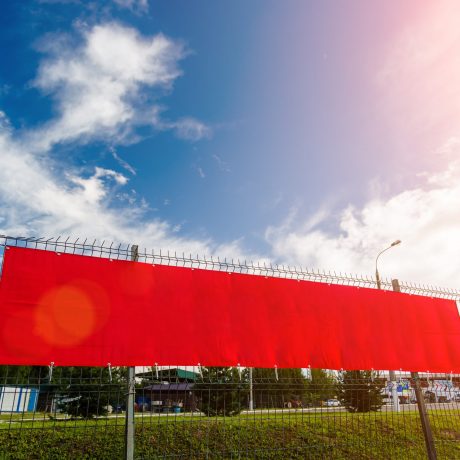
(65,316)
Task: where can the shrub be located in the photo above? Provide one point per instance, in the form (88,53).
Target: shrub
(360,391)
(222,391)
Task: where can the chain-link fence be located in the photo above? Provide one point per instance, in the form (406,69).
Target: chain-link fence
(197,412)
(224,413)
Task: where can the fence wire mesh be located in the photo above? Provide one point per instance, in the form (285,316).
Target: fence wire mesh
(111,250)
(221,413)
(196,412)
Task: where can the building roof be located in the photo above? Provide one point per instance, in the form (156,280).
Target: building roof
(169,387)
(173,374)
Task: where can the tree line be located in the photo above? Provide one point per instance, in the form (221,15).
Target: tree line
(220,391)
(225,391)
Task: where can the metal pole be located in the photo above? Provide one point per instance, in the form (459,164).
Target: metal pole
(377,277)
(251,393)
(130,396)
(394,392)
(426,426)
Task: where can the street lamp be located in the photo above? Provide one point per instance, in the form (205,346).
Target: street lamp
(392,376)
(377,276)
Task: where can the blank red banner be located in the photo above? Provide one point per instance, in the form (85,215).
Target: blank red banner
(84,311)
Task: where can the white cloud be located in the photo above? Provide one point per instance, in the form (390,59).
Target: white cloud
(97,85)
(424,218)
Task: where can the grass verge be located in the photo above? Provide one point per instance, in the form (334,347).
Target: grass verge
(296,436)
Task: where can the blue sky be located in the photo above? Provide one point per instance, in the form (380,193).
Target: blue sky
(298,132)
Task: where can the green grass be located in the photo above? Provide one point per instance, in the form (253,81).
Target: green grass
(269,436)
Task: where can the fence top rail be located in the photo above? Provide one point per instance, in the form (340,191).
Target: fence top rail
(108,249)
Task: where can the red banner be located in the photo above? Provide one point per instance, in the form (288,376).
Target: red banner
(84,311)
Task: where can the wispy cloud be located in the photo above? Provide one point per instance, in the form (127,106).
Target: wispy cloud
(136,6)
(188,128)
(191,129)
(124,164)
(223,166)
(200,172)
(141,6)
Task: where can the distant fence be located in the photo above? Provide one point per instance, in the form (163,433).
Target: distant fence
(197,412)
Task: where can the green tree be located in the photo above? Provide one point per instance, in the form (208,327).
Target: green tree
(86,392)
(320,387)
(222,391)
(23,375)
(360,391)
(288,389)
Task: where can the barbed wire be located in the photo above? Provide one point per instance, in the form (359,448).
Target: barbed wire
(110,250)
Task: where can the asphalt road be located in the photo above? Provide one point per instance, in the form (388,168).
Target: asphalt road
(386,408)
(435,407)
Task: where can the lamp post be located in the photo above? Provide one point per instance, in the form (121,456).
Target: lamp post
(377,275)
(394,388)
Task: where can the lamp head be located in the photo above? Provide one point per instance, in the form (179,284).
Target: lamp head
(395,243)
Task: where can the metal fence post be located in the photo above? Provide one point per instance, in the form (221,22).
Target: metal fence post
(394,392)
(424,419)
(426,426)
(131,393)
(251,393)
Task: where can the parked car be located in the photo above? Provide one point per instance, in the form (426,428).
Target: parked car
(293,403)
(432,397)
(332,403)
